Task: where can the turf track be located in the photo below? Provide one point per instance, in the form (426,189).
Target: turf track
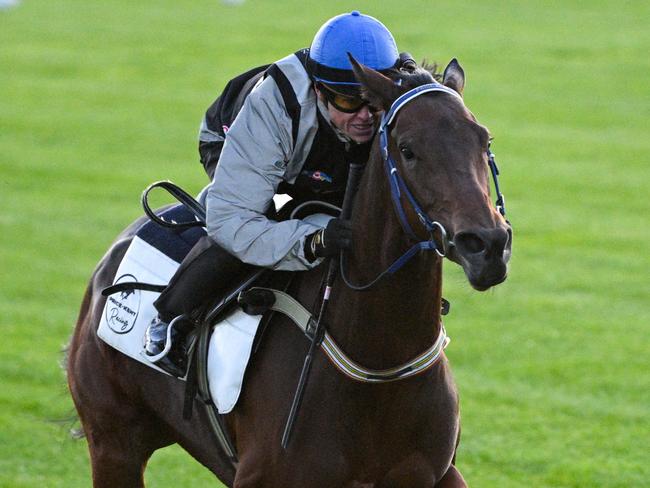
(97,99)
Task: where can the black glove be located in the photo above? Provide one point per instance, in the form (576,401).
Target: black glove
(330,240)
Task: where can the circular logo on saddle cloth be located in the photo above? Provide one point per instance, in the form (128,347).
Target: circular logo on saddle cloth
(122,308)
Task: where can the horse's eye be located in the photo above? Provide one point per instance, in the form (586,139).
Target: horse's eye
(406,151)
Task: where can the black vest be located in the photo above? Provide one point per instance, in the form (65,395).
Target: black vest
(324,175)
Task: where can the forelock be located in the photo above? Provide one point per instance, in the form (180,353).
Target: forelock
(419,75)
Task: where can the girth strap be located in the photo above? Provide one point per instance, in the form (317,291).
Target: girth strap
(289,306)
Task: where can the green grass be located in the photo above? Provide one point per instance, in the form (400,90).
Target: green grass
(99,99)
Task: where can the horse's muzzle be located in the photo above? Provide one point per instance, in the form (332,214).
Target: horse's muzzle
(484,255)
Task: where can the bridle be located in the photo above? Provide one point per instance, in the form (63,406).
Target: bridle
(320,337)
(398,188)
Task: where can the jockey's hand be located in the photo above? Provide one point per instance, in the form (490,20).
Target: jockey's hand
(329,241)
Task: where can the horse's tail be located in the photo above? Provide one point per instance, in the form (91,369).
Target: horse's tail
(84,309)
(76,430)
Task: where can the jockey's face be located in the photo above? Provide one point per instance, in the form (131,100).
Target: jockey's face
(359,126)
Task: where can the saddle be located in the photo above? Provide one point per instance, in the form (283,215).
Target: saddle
(158,248)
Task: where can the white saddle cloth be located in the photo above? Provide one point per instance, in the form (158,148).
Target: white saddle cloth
(127,314)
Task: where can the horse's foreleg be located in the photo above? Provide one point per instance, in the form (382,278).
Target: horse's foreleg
(414,476)
(259,471)
(410,473)
(417,472)
(452,479)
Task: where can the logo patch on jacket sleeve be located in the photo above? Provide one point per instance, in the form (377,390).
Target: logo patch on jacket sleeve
(319,176)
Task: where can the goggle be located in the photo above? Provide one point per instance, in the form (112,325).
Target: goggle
(344,103)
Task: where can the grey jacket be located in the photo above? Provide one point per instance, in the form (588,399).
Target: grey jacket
(259,153)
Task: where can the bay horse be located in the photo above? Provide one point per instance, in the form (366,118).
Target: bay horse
(401,433)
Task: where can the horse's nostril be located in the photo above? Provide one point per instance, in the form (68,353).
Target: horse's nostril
(469,243)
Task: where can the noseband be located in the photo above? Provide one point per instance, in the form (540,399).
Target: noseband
(398,187)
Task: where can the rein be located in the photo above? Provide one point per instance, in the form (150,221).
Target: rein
(398,188)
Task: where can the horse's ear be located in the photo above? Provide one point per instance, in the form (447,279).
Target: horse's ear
(454,76)
(379,90)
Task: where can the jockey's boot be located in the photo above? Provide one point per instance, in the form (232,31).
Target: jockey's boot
(165,344)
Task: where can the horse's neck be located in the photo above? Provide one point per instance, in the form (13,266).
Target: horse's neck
(400,317)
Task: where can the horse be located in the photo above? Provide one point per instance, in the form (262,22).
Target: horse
(401,432)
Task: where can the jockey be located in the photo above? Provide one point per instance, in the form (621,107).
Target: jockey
(299,128)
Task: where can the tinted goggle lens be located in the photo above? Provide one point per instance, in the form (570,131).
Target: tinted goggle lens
(343,103)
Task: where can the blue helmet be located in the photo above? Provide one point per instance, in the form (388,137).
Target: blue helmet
(367,39)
